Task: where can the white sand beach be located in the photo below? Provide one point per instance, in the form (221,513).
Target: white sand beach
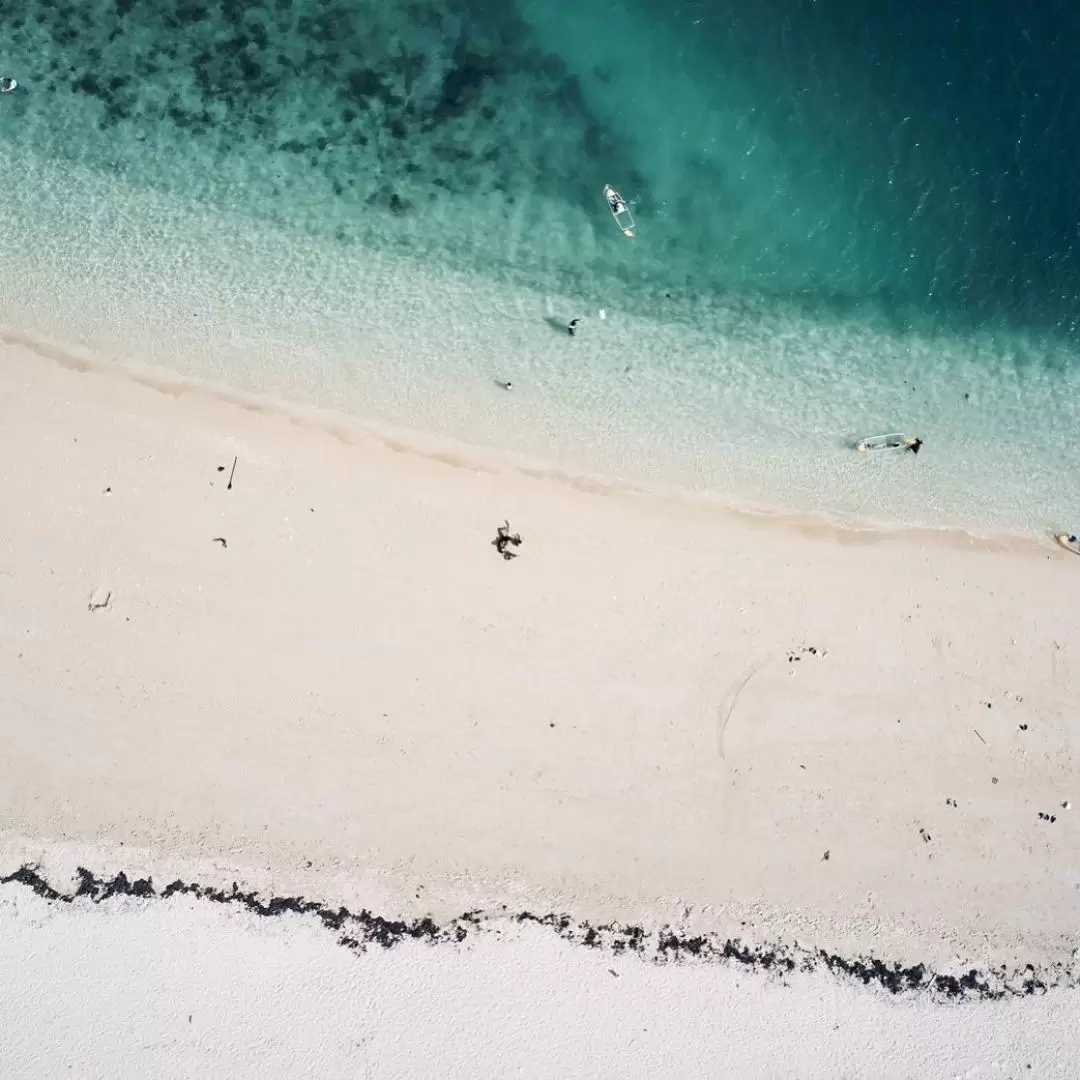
(325,681)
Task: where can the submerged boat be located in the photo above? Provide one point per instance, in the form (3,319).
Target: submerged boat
(896,441)
(620,211)
(1069,541)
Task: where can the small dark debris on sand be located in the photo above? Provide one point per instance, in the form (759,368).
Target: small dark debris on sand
(950,802)
(220,540)
(1047,817)
(504,539)
(925,835)
(806,650)
(1023,727)
(825,857)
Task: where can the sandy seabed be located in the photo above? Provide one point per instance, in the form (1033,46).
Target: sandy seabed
(323,681)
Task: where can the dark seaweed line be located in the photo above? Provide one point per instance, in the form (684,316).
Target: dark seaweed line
(360,929)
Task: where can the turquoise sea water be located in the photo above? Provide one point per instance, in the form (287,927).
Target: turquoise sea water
(852,219)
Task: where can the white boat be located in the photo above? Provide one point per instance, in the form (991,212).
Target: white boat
(620,211)
(1069,541)
(8,84)
(896,441)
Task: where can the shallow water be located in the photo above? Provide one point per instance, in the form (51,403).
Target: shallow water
(851,220)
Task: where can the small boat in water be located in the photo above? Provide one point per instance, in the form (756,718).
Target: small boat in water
(8,84)
(620,211)
(896,441)
(1069,541)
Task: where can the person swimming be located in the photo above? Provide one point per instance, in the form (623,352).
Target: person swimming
(915,445)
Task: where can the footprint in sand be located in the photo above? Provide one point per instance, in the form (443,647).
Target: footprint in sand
(100,598)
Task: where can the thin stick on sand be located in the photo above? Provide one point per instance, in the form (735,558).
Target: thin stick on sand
(228,486)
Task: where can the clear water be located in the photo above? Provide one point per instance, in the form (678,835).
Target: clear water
(852,219)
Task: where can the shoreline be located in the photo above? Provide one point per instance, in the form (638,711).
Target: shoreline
(758,398)
(648,712)
(352,429)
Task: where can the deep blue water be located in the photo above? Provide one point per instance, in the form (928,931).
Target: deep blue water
(966,115)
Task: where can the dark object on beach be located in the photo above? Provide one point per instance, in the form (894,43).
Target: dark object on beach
(504,384)
(1047,817)
(916,446)
(220,540)
(232,472)
(503,539)
(1023,727)
(571,326)
(981,739)
(925,835)
(825,857)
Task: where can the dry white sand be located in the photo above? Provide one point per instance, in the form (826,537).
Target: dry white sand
(184,989)
(657,712)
